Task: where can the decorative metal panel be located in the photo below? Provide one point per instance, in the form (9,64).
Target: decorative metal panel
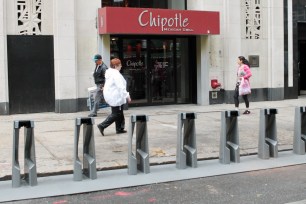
(252,19)
(29,17)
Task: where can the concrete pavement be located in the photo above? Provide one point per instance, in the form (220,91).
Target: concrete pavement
(54,135)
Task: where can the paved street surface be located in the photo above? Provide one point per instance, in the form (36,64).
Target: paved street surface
(54,135)
(274,186)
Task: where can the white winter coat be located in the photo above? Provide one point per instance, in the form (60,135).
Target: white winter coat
(114,91)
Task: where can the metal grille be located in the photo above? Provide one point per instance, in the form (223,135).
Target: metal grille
(29,17)
(252,19)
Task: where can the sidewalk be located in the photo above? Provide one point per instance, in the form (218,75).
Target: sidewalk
(54,135)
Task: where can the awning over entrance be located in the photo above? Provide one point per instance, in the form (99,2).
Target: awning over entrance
(122,20)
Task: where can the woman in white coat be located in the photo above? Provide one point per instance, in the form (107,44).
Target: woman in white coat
(115,95)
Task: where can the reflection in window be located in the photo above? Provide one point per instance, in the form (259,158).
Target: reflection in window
(134,68)
(114,47)
(162,71)
(163,4)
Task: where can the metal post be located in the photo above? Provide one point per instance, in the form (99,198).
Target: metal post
(30,172)
(229,138)
(139,159)
(267,143)
(299,131)
(186,150)
(89,157)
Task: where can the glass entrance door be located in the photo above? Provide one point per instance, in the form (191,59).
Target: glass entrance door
(162,71)
(135,61)
(148,67)
(157,69)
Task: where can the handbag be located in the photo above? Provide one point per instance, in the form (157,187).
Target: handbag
(244,87)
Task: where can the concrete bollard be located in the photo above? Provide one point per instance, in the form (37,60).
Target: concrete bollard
(186,150)
(30,172)
(138,160)
(299,130)
(229,138)
(267,143)
(89,156)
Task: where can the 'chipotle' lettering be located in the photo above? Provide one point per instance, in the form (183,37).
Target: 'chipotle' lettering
(147,18)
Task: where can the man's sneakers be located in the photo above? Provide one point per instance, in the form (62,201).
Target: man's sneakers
(92,115)
(101,128)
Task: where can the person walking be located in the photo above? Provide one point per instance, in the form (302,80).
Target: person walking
(243,75)
(99,77)
(115,94)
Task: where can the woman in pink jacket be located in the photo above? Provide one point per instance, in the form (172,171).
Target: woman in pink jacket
(243,73)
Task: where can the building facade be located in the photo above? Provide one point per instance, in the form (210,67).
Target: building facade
(46,50)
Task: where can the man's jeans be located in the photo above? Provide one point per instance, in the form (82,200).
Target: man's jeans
(98,97)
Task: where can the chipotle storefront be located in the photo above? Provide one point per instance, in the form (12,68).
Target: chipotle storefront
(158,50)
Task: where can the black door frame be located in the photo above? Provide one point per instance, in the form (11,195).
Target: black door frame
(301,28)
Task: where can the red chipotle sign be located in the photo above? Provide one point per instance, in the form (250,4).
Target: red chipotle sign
(121,20)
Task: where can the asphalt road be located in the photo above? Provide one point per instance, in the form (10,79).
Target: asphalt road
(279,185)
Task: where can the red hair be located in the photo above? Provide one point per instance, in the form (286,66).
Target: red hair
(115,62)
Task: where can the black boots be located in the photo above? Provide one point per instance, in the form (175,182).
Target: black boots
(101,129)
(117,117)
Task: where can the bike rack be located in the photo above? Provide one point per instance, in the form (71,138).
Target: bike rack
(138,159)
(30,172)
(186,150)
(229,138)
(299,130)
(267,143)
(89,157)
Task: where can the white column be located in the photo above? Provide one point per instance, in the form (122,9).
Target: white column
(3,61)
(65,57)
(104,48)
(231,43)
(231,31)
(87,46)
(275,50)
(203,82)
(290,45)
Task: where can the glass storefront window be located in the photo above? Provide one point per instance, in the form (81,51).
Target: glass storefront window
(162,71)
(163,4)
(158,70)
(114,48)
(134,69)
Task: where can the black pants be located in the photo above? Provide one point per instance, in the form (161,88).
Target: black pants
(236,98)
(117,117)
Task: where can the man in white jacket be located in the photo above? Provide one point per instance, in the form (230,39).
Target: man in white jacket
(115,94)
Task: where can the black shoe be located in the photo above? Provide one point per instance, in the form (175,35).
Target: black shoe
(246,112)
(101,129)
(92,115)
(121,131)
